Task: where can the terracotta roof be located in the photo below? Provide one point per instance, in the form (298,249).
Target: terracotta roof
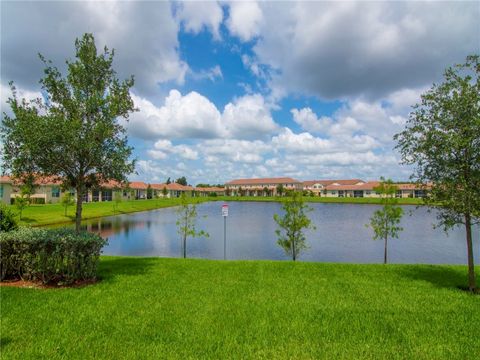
(138,185)
(5,180)
(282,180)
(413,186)
(172,186)
(209,189)
(369,185)
(328,182)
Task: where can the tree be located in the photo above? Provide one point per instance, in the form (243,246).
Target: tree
(21,202)
(149,192)
(117,200)
(187,217)
(168,181)
(384,221)
(182,181)
(74,135)
(164,191)
(290,235)
(67,200)
(280,189)
(442,141)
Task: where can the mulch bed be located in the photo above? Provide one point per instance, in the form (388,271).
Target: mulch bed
(39,285)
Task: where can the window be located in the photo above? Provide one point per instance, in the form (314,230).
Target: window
(398,194)
(357,193)
(107,195)
(55,192)
(368,192)
(95,195)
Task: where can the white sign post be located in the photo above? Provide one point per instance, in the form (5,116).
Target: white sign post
(224,214)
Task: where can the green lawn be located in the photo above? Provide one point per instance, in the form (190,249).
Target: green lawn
(37,215)
(151,308)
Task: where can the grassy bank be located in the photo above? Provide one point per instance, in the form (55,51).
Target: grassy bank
(178,309)
(37,215)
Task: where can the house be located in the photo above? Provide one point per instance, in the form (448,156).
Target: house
(172,190)
(262,186)
(352,189)
(6,189)
(138,189)
(209,191)
(318,187)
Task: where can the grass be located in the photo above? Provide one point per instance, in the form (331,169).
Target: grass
(148,308)
(38,215)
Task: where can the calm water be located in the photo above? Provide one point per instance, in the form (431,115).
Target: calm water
(341,235)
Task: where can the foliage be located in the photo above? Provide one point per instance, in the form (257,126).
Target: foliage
(149,192)
(168,181)
(21,202)
(290,235)
(164,191)
(49,256)
(7,218)
(182,181)
(280,189)
(384,221)
(67,200)
(80,116)
(442,141)
(186,222)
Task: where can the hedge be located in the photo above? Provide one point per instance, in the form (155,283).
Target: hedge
(59,256)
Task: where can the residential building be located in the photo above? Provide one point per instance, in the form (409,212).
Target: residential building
(261,186)
(318,187)
(6,189)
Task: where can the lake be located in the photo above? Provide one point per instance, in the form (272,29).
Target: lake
(340,235)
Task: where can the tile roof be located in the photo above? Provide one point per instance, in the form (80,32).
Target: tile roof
(261,181)
(328,182)
(138,185)
(369,185)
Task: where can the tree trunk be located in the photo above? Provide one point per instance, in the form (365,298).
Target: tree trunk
(184,246)
(294,255)
(78,213)
(385,251)
(471,266)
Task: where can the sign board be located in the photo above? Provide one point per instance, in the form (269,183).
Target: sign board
(224,210)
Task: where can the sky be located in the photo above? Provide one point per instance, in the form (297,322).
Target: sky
(241,89)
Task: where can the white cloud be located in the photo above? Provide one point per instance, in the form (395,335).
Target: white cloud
(144,35)
(361,49)
(211,74)
(194,116)
(198,15)
(244,20)
(163,147)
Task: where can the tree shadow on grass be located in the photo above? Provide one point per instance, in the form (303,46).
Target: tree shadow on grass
(110,268)
(439,276)
(28,220)
(4,341)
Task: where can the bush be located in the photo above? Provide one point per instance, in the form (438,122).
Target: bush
(58,256)
(8,221)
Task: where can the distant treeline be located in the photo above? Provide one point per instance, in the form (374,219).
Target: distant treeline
(210,185)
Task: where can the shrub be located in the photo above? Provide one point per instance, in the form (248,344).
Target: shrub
(8,222)
(59,256)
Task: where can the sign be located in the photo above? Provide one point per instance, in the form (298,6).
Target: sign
(224,210)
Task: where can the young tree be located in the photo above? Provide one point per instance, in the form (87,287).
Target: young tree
(168,181)
(117,200)
(280,190)
(75,134)
(21,202)
(384,221)
(290,235)
(67,200)
(149,192)
(164,192)
(442,141)
(186,222)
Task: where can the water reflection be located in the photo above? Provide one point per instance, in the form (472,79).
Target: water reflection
(341,235)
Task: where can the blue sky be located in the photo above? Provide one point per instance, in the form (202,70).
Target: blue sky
(311,90)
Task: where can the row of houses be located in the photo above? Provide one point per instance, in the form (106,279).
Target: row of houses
(325,188)
(48,190)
